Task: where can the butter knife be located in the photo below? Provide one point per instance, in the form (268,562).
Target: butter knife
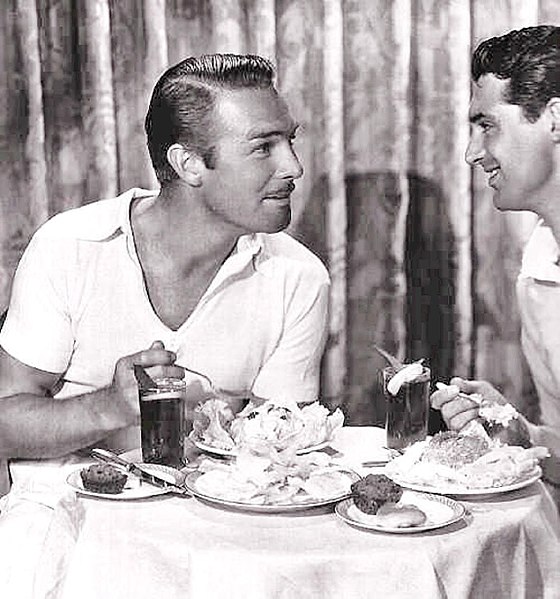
(149,476)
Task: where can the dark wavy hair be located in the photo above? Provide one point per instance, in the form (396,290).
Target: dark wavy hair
(530,59)
(183,100)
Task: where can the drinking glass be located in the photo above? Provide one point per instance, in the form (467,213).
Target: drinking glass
(162,422)
(407,410)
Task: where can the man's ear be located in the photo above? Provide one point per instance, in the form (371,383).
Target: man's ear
(553,107)
(186,164)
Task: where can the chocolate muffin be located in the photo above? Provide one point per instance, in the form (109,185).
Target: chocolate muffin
(373,491)
(103,478)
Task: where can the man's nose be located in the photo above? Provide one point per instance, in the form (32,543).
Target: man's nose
(290,167)
(475,150)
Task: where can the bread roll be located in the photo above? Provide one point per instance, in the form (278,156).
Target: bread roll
(400,516)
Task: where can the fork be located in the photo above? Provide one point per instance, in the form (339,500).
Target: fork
(216,390)
(145,380)
(393,452)
(474,398)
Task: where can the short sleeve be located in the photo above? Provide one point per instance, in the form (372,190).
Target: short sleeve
(37,330)
(293,370)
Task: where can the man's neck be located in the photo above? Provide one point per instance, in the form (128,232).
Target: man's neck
(550,211)
(174,226)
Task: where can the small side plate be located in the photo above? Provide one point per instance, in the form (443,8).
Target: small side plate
(440,511)
(139,490)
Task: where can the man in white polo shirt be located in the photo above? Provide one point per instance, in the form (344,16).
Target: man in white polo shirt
(515,116)
(196,275)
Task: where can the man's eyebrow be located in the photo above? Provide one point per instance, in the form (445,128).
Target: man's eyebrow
(262,133)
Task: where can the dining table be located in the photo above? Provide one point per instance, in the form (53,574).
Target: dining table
(59,543)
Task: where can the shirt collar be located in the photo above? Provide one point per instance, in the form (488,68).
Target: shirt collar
(541,256)
(247,252)
(250,244)
(115,220)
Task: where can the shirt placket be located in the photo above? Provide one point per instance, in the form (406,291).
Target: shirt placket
(232,267)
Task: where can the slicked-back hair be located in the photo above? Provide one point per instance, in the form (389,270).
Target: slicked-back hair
(182,103)
(529,59)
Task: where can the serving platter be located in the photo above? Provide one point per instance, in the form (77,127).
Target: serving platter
(462,491)
(294,506)
(139,490)
(233,452)
(440,512)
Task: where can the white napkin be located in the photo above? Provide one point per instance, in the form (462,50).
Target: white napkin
(39,526)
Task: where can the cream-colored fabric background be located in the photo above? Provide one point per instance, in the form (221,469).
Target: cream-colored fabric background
(421,261)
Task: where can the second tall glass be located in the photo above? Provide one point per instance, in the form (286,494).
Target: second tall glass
(407,409)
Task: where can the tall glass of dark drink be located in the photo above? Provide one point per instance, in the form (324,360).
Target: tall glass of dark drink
(163,427)
(407,409)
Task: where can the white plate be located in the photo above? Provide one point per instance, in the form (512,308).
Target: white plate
(233,452)
(440,511)
(144,489)
(306,504)
(460,491)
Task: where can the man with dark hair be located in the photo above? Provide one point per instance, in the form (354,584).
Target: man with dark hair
(515,138)
(182,101)
(197,275)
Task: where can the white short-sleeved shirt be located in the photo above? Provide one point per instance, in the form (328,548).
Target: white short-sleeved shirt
(79,304)
(538,291)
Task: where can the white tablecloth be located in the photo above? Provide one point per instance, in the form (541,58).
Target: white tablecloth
(179,547)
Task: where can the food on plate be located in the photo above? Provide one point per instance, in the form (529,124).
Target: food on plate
(382,500)
(372,492)
(465,461)
(212,422)
(275,424)
(497,413)
(103,478)
(500,421)
(454,450)
(269,422)
(285,425)
(275,478)
(512,432)
(400,516)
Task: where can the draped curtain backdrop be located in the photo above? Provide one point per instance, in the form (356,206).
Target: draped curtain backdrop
(421,262)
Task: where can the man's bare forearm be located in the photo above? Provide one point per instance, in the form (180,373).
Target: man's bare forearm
(53,427)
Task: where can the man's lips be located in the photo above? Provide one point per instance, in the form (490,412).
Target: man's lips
(281,194)
(492,175)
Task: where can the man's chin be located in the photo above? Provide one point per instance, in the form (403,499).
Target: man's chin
(278,228)
(505,202)
(497,200)
(278,224)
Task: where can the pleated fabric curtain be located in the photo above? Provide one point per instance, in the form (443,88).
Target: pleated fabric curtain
(421,262)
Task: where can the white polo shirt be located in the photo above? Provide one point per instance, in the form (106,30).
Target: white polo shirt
(79,304)
(538,291)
